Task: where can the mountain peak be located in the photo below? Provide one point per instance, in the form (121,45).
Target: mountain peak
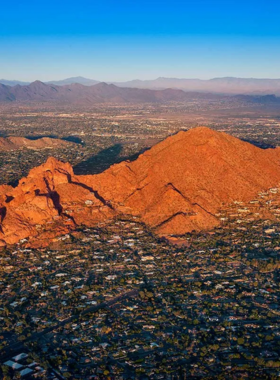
(52,165)
(203,134)
(104,84)
(199,136)
(37,83)
(202,131)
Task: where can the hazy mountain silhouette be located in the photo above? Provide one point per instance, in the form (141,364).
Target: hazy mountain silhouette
(227,85)
(99,93)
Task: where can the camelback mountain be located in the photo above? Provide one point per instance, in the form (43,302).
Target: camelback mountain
(177,186)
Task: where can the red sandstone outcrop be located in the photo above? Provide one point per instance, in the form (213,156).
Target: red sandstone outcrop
(43,198)
(15,143)
(175,187)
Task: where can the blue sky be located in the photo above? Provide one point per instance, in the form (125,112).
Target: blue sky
(122,40)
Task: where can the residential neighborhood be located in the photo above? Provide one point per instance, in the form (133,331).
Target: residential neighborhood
(119,302)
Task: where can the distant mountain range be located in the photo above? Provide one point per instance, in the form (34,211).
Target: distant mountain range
(79,80)
(98,93)
(13,82)
(227,85)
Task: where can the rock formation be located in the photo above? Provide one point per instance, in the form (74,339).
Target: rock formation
(175,187)
(15,143)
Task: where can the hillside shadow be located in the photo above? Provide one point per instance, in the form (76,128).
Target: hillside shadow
(34,138)
(73,139)
(104,159)
(14,182)
(260,144)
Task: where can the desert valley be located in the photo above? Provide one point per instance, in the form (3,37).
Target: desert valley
(140,240)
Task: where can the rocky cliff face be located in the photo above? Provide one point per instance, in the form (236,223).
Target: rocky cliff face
(48,202)
(175,187)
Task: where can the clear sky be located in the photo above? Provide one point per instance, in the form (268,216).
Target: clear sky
(114,40)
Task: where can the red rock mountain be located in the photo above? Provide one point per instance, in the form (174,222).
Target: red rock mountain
(175,187)
(15,143)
